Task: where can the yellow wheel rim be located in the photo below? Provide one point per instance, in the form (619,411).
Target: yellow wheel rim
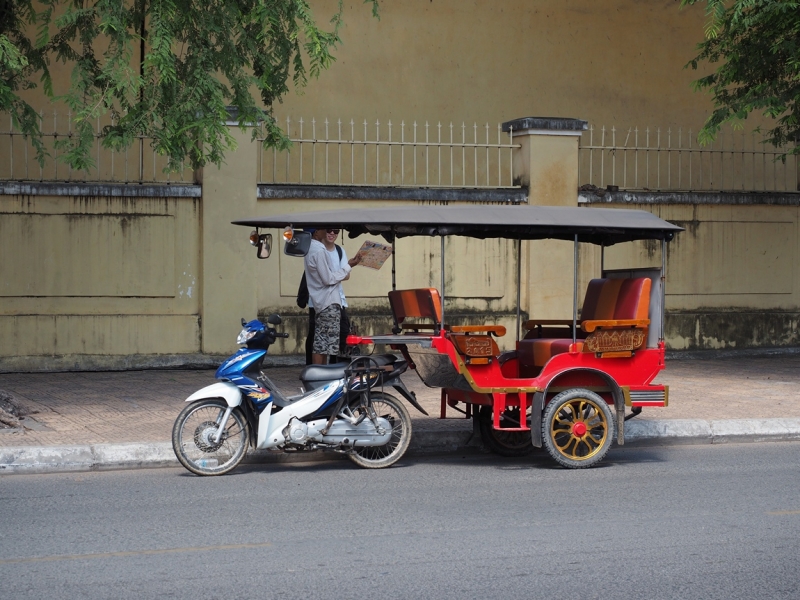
(579,429)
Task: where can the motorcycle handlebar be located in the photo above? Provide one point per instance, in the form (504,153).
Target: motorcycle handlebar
(282,335)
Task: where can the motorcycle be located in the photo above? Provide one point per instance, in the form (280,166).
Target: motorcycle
(342,408)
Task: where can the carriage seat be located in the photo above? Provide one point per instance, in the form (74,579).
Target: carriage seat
(613,321)
(424,305)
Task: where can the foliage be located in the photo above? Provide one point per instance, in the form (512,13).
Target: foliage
(19,59)
(163,69)
(757,43)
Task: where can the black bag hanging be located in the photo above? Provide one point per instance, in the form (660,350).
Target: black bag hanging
(302,293)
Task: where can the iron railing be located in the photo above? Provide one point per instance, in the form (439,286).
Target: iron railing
(408,155)
(671,160)
(138,164)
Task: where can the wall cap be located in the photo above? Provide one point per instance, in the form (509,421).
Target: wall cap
(343,192)
(107,190)
(545,125)
(592,195)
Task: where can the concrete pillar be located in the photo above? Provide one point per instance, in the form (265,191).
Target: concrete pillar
(229,290)
(547,160)
(547,165)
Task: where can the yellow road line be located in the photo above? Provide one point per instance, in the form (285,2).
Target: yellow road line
(784,512)
(36,559)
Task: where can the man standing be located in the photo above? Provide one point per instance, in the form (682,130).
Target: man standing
(324,275)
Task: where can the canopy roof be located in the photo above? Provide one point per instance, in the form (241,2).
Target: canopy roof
(594,225)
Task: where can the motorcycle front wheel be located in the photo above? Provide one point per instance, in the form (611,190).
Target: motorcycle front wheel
(194,432)
(378,457)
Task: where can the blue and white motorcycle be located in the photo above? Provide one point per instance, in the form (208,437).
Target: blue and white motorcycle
(343,408)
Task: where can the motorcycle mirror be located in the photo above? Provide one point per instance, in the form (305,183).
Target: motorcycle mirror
(298,245)
(243,322)
(274,319)
(264,245)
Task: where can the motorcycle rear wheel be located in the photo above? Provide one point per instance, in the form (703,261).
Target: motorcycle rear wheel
(379,457)
(193,433)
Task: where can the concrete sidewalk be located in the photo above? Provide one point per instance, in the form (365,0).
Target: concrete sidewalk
(104,420)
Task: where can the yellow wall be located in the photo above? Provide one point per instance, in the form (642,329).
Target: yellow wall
(608,62)
(91,281)
(98,276)
(732,276)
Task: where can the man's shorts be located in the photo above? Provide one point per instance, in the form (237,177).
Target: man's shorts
(326,335)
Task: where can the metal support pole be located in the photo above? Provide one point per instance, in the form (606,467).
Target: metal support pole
(663,286)
(575,293)
(394,283)
(602,260)
(519,283)
(441,252)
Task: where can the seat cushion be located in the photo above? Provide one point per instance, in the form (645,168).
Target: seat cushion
(537,352)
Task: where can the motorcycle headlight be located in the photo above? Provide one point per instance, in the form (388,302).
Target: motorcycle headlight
(244,336)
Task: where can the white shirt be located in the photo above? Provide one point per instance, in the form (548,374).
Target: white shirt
(333,255)
(322,278)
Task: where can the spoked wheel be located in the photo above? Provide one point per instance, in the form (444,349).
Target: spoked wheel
(577,428)
(504,443)
(193,438)
(378,457)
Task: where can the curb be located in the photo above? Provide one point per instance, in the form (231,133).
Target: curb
(98,457)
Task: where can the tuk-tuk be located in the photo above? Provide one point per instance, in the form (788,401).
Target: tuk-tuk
(568,383)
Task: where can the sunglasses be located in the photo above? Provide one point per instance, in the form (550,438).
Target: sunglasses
(336,231)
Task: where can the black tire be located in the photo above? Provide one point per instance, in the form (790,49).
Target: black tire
(192,438)
(578,428)
(504,443)
(379,457)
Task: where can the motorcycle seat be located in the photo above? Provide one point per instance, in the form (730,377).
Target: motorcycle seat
(320,373)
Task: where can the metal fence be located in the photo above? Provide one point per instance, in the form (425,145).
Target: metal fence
(387,154)
(671,160)
(138,164)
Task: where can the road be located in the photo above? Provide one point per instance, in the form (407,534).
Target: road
(674,522)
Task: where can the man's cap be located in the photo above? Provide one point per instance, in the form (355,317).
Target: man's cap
(310,229)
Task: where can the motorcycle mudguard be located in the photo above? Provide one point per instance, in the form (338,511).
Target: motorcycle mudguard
(407,394)
(222,389)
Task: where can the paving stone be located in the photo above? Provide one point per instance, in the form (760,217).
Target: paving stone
(140,406)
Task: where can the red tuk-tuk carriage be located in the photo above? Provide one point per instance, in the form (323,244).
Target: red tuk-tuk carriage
(568,382)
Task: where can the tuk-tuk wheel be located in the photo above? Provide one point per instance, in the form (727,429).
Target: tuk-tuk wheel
(577,428)
(504,443)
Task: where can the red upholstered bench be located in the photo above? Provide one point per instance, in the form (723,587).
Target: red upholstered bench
(613,322)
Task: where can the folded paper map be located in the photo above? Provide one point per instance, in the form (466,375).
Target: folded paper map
(373,254)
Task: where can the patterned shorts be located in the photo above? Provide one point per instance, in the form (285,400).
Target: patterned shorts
(326,335)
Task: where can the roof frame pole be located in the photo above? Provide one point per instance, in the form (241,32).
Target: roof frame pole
(441,252)
(519,283)
(394,281)
(663,286)
(602,259)
(575,293)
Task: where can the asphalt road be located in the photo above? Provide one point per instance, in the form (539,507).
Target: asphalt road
(674,522)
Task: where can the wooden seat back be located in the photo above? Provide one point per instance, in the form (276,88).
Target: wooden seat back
(421,303)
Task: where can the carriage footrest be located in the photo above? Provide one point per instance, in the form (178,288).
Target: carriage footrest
(509,429)
(651,395)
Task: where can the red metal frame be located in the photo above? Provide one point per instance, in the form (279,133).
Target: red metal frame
(567,370)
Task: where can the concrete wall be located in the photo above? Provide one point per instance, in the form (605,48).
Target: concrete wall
(95,281)
(124,276)
(732,276)
(605,61)
(118,282)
